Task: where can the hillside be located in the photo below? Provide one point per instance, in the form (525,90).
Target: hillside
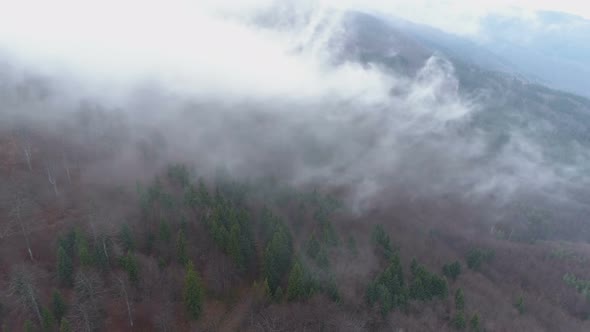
(397,187)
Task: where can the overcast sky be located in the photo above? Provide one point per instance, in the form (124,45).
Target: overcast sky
(191,39)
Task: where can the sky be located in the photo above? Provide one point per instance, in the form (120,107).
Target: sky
(145,40)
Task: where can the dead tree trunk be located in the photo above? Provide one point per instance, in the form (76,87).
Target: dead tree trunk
(20,221)
(123,289)
(52,180)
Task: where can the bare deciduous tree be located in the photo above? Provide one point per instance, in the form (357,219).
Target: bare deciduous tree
(22,288)
(52,180)
(123,288)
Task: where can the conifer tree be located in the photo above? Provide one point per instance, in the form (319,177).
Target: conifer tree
(459,299)
(59,306)
(296,287)
(65,326)
(65,269)
(47,319)
(181,253)
(193,292)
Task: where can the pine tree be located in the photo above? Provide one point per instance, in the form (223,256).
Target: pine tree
(459,299)
(295,288)
(84,255)
(193,292)
(47,319)
(181,253)
(164,231)
(131,266)
(28,326)
(474,322)
(266,289)
(65,326)
(519,305)
(65,269)
(127,238)
(459,320)
(59,306)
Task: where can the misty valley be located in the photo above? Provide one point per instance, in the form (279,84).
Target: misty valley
(294,166)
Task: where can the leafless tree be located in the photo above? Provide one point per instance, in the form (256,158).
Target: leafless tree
(86,310)
(28,155)
(22,288)
(123,288)
(20,206)
(67,167)
(52,180)
(164,320)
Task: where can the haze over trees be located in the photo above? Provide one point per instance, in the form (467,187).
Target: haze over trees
(303,169)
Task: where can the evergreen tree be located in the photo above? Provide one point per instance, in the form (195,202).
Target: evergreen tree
(164,231)
(277,257)
(181,253)
(313,247)
(28,326)
(459,299)
(452,271)
(59,306)
(65,269)
(192,292)
(47,319)
(266,289)
(84,255)
(126,238)
(385,298)
(459,320)
(131,266)
(295,287)
(519,305)
(278,297)
(474,323)
(65,326)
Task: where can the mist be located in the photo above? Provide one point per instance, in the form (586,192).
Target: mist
(265,88)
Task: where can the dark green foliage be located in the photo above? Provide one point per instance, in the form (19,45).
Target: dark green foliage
(452,271)
(519,305)
(425,285)
(181,252)
(474,323)
(164,233)
(47,319)
(84,256)
(130,265)
(179,175)
(385,299)
(581,285)
(459,321)
(59,305)
(381,240)
(192,292)
(101,252)
(313,247)
(126,238)
(230,227)
(329,234)
(277,257)
(477,256)
(28,326)
(278,296)
(391,279)
(65,268)
(65,326)
(459,299)
(296,286)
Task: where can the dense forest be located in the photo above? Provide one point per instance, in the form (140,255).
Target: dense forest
(177,248)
